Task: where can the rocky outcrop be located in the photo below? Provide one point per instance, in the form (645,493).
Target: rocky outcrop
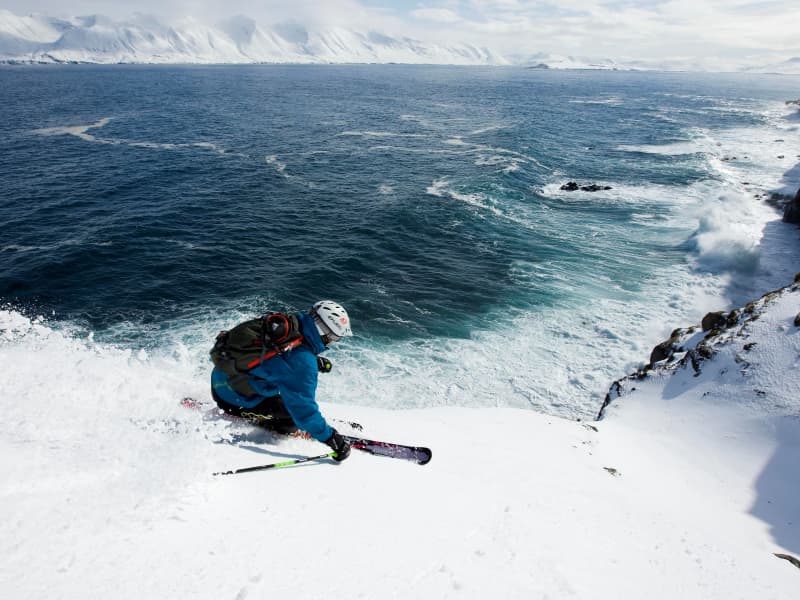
(692,346)
(790,558)
(791,213)
(571,186)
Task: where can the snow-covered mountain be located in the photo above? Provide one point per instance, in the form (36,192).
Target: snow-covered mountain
(547,60)
(790,66)
(239,39)
(145,39)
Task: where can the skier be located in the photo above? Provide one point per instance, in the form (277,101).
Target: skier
(283,387)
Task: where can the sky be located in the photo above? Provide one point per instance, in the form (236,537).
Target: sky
(724,31)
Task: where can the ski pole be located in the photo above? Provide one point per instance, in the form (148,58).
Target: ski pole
(280,465)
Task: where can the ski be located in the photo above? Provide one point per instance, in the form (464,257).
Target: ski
(418,454)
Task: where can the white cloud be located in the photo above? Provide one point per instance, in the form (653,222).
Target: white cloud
(439,15)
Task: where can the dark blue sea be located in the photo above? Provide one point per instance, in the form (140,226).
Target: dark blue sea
(144,208)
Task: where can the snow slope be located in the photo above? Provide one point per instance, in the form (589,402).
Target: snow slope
(686,489)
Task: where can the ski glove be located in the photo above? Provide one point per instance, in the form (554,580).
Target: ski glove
(339,445)
(324,365)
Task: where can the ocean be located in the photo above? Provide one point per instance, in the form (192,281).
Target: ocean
(147,207)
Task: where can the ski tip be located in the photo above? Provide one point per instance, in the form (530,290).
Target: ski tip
(427,455)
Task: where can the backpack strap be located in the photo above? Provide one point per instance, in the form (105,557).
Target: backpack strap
(271,353)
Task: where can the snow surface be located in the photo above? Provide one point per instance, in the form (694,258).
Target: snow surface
(686,489)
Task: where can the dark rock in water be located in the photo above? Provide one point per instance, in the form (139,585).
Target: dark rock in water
(573,187)
(791,214)
(714,320)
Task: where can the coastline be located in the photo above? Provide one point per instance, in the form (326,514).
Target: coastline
(692,344)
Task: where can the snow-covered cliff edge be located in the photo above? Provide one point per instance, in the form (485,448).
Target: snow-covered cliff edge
(730,387)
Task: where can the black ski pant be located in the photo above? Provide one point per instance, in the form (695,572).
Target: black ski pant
(270,413)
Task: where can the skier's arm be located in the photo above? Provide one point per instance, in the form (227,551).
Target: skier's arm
(298,395)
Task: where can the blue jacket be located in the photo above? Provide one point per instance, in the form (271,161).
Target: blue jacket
(293,375)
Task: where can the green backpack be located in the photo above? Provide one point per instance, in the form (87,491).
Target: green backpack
(238,350)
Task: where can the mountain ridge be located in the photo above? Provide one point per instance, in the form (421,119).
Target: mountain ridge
(239,39)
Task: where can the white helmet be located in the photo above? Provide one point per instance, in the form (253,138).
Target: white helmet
(331,318)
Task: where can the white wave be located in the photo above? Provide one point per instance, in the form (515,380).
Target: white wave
(414,119)
(507,160)
(409,150)
(729,233)
(675,149)
(513,158)
(207,145)
(507,164)
(381,134)
(385,189)
(18,248)
(81,132)
(442,189)
(76,241)
(272,160)
(610,101)
(558,360)
(488,128)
